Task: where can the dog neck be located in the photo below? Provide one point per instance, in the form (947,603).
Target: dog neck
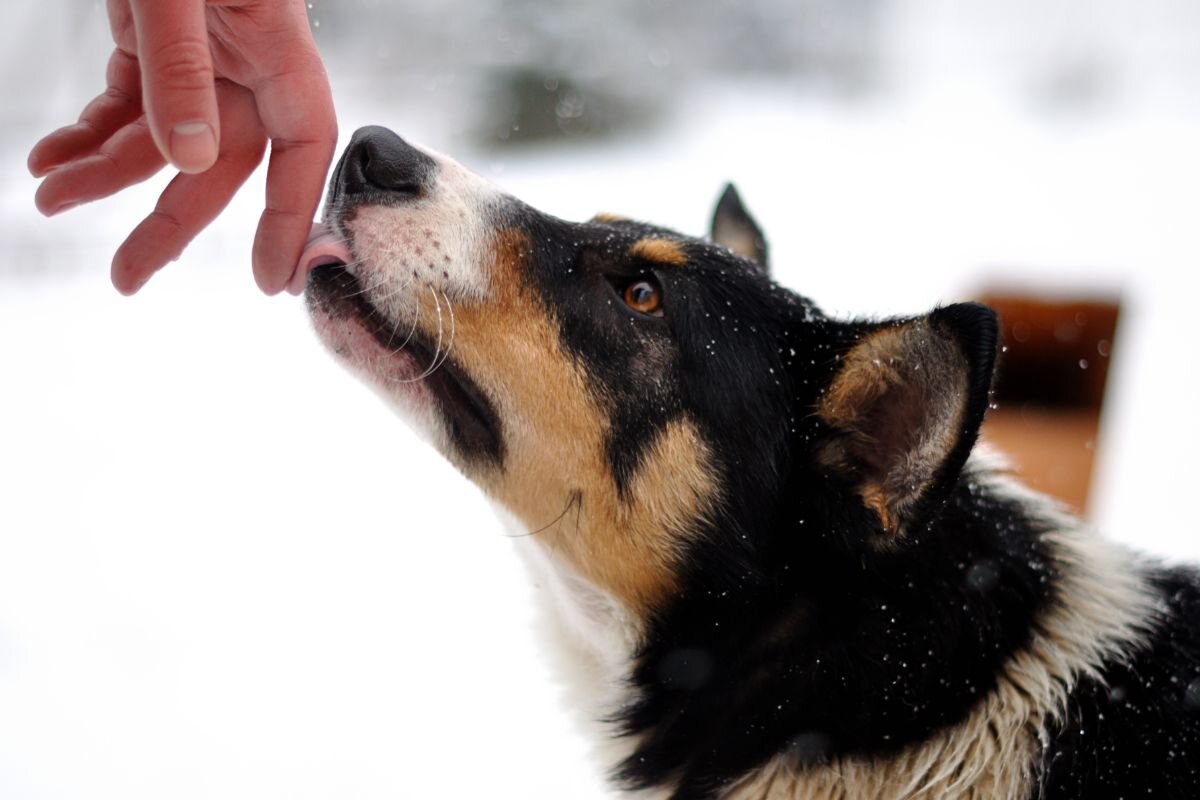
(1093,605)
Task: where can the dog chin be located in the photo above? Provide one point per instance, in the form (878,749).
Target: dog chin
(395,375)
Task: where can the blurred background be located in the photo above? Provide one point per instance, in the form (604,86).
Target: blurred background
(227,571)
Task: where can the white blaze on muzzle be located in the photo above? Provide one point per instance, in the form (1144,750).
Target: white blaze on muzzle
(435,234)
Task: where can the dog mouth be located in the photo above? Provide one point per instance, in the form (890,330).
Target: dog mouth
(471,419)
(324,247)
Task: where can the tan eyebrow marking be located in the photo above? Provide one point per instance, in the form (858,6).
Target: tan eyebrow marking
(605,218)
(660,251)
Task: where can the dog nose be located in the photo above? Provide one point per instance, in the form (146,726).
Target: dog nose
(378,161)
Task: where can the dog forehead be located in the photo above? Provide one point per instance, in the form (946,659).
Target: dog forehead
(605,233)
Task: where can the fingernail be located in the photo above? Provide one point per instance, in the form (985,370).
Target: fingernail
(193,146)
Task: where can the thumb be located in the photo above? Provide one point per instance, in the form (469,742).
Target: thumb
(177,81)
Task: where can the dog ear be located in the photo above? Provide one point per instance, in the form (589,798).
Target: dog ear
(906,405)
(734,229)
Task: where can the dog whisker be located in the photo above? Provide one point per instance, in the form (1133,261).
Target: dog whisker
(437,346)
(368,288)
(437,350)
(395,291)
(453,329)
(411,331)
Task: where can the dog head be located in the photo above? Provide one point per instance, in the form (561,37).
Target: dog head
(650,404)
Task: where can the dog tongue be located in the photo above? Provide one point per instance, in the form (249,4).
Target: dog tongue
(323,247)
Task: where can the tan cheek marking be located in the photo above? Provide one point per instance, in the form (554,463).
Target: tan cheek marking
(660,251)
(605,218)
(555,432)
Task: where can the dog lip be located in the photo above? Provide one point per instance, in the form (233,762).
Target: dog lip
(324,247)
(472,420)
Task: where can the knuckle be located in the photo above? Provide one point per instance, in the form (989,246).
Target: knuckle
(119,97)
(284,216)
(122,68)
(162,218)
(109,160)
(183,64)
(88,123)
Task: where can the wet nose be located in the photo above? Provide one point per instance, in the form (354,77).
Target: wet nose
(380,162)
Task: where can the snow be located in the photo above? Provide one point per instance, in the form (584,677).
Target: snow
(227,571)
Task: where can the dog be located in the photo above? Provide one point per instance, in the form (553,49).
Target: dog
(774,565)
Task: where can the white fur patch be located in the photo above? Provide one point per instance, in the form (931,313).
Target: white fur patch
(590,637)
(440,241)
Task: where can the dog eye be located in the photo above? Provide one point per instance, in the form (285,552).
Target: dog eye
(644,296)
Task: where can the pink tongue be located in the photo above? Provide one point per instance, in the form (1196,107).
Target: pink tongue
(323,247)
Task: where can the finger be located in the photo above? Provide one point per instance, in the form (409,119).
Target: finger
(191,202)
(296,108)
(120,105)
(177,81)
(128,157)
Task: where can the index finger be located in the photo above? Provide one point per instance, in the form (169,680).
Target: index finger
(296,108)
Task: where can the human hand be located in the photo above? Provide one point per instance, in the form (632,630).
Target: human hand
(202,85)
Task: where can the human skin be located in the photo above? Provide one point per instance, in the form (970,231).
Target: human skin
(202,85)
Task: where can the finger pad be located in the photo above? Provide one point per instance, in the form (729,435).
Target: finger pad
(277,246)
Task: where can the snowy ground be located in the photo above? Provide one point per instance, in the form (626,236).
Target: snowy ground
(226,571)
